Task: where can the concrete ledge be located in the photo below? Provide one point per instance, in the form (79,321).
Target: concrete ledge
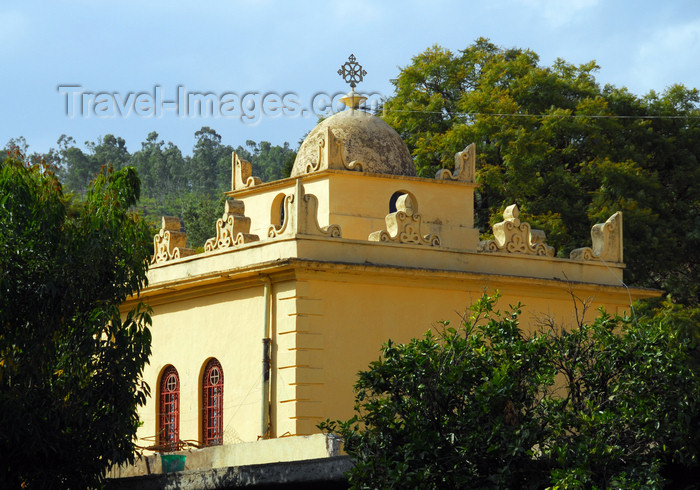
(282,449)
(311,474)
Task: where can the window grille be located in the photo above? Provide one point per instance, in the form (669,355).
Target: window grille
(212,404)
(169,433)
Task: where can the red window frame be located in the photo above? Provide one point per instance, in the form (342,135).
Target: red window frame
(212,404)
(169,410)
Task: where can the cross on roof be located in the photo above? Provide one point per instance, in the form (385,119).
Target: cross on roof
(352,72)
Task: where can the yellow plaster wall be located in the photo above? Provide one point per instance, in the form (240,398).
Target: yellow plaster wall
(348,317)
(258,204)
(359,203)
(284,365)
(328,321)
(186,334)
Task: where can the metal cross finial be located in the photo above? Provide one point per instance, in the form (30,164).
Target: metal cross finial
(352,72)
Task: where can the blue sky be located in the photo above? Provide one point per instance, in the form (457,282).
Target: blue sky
(281,47)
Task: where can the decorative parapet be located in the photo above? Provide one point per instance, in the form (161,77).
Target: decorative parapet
(607,242)
(404,226)
(330,155)
(169,243)
(465,166)
(512,236)
(232,228)
(242,173)
(301,216)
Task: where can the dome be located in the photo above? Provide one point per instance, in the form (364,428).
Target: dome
(363,139)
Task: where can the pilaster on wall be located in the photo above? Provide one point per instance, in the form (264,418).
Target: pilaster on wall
(299,373)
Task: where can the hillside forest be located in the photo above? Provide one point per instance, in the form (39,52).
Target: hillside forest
(172,182)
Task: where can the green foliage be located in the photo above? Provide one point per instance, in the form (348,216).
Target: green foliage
(172,184)
(611,404)
(569,152)
(199,215)
(269,162)
(162,168)
(210,162)
(629,405)
(70,363)
(189,187)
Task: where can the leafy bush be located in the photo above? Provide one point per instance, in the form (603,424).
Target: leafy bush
(607,404)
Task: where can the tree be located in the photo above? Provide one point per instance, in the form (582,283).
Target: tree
(109,151)
(629,414)
(607,404)
(199,215)
(569,152)
(70,363)
(268,161)
(162,168)
(210,162)
(19,146)
(77,168)
(19,143)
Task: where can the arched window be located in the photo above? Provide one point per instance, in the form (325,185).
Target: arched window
(277,210)
(169,409)
(212,404)
(395,197)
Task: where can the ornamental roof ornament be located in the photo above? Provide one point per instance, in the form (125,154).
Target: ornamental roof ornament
(607,242)
(512,236)
(169,243)
(353,73)
(353,139)
(404,226)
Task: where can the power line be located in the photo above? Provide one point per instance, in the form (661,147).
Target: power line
(579,116)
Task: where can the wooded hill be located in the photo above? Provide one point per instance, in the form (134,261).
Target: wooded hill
(172,184)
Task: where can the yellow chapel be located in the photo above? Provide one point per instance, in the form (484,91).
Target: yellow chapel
(259,338)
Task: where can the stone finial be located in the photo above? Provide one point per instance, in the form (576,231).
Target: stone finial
(512,236)
(330,155)
(301,216)
(242,173)
(607,241)
(232,229)
(353,100)
(465,166)
(169,243)
(404,226)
